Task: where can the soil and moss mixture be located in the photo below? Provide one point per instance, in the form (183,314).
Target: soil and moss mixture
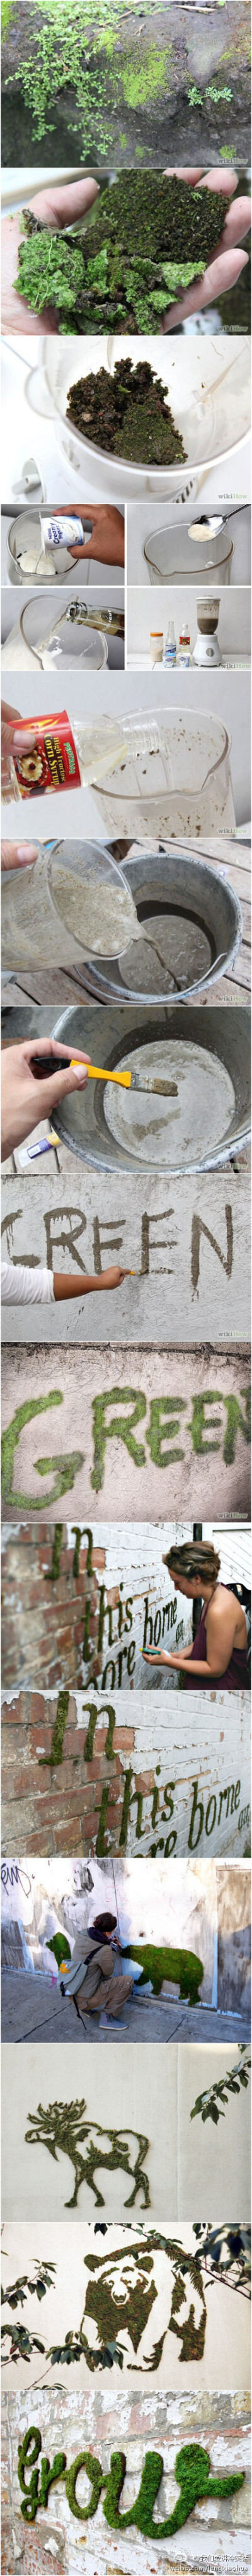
(127,415)
(146,239)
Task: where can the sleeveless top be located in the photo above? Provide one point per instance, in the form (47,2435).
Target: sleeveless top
(236,1675)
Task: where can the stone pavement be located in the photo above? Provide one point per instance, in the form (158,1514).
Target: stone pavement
(32,2008)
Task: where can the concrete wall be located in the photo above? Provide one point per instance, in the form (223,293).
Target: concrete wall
(191,1247)
(216,2534)
(161,1421)
(220,2321)
(190,1783)
(187,2163)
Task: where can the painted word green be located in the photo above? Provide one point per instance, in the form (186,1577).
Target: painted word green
(192,2471)
(163,1435)
(63,1467)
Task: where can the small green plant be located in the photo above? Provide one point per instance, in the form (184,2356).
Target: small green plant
(22,2344)
(212,2105)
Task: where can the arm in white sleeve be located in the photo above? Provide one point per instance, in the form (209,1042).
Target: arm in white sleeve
(23,1287)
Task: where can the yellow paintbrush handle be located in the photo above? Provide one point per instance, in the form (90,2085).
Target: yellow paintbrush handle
(99,1073)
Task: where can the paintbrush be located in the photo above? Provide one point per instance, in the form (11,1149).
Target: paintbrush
(44,1065)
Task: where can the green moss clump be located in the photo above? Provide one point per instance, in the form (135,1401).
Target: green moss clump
(145,240)
(126,1810)
(192,2473)
(48,1761)
(182,1965)
(60,1947)
(54,1568)
(7,8)
(90,1736)
(86,2461)
(144,78)
(126,415)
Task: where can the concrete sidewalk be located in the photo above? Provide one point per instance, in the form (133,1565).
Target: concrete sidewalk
(31,2008)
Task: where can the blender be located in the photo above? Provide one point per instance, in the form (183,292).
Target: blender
(207,647)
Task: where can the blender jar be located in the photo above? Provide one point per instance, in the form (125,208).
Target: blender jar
(175,780)
(73,903)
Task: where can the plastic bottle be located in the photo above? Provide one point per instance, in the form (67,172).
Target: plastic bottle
(184,651)
(50,756)
(156,645)
(170,649)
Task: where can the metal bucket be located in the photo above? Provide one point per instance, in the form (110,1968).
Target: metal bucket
(171,554)
(174,882)
(208,1056)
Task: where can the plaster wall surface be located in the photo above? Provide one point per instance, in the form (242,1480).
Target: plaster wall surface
(189,1246)
(191,1776)
(187,2163)
(215,2537)
(182,1417)
(84,2265)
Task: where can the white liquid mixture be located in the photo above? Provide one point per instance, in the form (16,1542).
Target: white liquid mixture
(95,911)
(172,952)
(175,1131)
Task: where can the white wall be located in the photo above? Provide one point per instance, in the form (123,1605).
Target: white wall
(188,2163)
(234,1546)
(226,2326)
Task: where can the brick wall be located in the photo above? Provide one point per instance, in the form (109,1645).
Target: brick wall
(60,1810)
(43,1618)
(149,1785)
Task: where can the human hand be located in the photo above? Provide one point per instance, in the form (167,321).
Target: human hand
(106,543)
(55,207)
(114,1278)
(10,736)
(18,854)
(26,1100)
(226,264)
(154,1655)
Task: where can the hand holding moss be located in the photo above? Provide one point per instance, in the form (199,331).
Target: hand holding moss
(54,208)
(227,260)
(156,240)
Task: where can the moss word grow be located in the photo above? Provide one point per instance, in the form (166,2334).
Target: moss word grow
(192,2471)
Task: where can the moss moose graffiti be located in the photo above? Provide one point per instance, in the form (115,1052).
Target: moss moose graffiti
(192,2470)
(63,2125)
